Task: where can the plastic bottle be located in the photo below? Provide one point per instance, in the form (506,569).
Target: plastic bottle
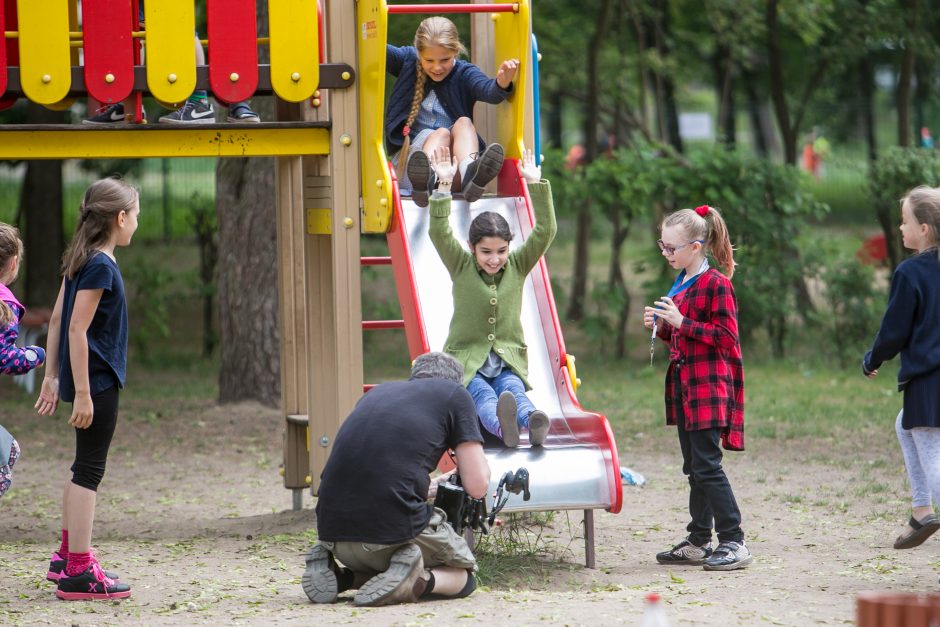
(655,614)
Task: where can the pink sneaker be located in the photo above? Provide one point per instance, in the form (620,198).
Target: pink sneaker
(91,584)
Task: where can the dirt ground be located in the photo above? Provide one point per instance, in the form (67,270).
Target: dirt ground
(192,514)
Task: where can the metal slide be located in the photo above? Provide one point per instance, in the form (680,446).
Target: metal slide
(578,467)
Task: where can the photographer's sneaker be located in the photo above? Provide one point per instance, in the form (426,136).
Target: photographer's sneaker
(400,583)
(685,553)
(192,112)
(538,427)
(57,565)
(90,585)
(323,579)
(481,171)
(729,556)
(241,113)
(506,413)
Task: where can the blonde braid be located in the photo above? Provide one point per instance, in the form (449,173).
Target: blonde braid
(415,107)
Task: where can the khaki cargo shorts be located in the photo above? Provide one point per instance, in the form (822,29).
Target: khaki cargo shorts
(440,546)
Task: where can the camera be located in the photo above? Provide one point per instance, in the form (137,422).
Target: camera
(465,512)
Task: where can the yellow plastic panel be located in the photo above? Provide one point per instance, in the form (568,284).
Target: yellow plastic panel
(295,48)
(45,55)
(170,49)
(372,33)
(513,36)
(84,143)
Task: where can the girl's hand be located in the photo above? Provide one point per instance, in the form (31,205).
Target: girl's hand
(48,396)
(444,165)
(872,374)
(82,411)
(668,311)
(648,313)
(507,72)
(531,172)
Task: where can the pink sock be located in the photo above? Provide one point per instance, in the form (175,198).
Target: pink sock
(78,563)
(64,545)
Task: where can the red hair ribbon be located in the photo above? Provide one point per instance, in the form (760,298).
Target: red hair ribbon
(702,210)
(406,131)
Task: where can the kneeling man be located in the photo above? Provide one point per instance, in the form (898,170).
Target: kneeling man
(373,512)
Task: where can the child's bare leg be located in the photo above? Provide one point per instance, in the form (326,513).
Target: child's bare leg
(464,140)
(80,511)
(440,137)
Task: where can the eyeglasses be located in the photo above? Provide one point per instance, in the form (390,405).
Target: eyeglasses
(672,250)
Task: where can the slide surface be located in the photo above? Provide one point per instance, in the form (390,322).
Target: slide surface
(577,468)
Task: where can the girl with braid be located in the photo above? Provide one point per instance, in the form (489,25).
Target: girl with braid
(435,110)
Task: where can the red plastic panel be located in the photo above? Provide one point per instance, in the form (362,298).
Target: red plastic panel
(109,52)
(233,51)
(9,51)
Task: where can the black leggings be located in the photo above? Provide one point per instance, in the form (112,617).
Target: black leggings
(92,444)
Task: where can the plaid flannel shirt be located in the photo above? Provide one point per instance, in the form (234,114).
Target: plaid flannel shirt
(705,353)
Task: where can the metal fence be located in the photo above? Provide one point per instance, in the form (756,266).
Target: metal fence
(169,189)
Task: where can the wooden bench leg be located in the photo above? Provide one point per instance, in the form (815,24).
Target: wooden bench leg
(589,561)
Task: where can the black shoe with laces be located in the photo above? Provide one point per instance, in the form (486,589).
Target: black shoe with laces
(192,112)
(110,114)
(481,171)
(686,553)
(91,584)
(729,556)
(422,177)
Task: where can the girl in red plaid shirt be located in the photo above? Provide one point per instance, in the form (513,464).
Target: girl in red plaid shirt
(698,319)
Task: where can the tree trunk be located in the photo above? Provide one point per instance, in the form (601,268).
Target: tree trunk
(906,73)
(41,202)
(923,70)
(591,121)
(723,66)
(249,336)
(669,116)
(866,78)
(754,113)
(778,91)
(248,300)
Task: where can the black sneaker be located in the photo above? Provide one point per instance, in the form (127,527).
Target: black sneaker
(111,114)
(685,553)
(400,583)
(506,413)
(241,113)
(91,584)
(729,556)
(481,171)
(422,177)
(57,565)
(323,579)
(192,112)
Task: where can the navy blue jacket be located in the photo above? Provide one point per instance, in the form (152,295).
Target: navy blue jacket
(911,324)
(463,87)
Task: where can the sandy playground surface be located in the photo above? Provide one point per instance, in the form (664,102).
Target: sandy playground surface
(192,514)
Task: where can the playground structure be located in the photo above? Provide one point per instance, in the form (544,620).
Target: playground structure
(333,182)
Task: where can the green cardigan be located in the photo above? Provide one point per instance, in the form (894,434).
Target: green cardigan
(488,309)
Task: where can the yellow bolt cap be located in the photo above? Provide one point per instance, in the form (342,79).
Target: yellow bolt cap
(171,78)
(345,139)
(346,76)
(379,183)
(234,77)
(295,76)
(348,222)
(383,202)
(46,78)
(315,102)
(109,78)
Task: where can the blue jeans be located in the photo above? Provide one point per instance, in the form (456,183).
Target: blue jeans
(485,392)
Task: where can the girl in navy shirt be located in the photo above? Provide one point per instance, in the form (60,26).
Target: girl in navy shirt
(87,352)
(423,114)
(911,327)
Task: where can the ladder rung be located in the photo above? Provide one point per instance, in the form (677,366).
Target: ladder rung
(383,324)
(375,261)
(453,8)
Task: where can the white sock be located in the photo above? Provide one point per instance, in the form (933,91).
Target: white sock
(462,167)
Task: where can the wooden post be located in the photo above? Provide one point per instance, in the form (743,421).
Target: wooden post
(334,298)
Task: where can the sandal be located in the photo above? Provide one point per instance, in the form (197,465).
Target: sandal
(922,529)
